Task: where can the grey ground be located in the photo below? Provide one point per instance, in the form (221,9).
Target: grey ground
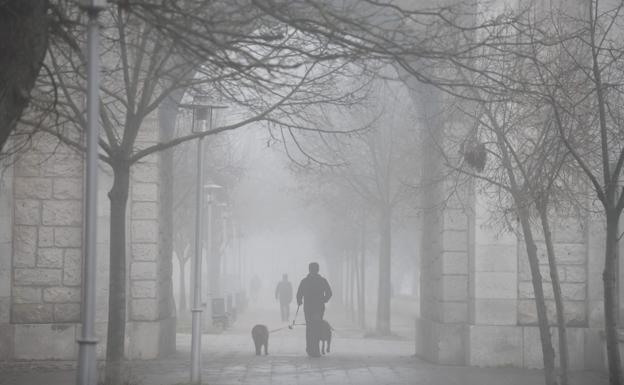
(229,359)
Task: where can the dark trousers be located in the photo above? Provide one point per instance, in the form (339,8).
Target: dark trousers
(313,330)
(285,310)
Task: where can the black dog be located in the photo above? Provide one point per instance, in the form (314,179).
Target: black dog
(326,336)
(260,336)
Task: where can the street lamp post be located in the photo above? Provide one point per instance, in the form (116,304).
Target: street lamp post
(223,255)
(199,114)
(87,356)
(202,113)
(210,188)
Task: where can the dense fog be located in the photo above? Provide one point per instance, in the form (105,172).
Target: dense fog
(311,192)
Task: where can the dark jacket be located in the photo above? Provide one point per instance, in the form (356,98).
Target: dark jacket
(284,292)
(313,292)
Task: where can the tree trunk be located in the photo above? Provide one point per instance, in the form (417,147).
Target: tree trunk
(182,306)
(347,281)
(118,196)
(609,277)
(384,290)
(353,274)
(554,276)
(214,258)
(542,316)
(343,284)
(23,43)
(358,288)
(362,291)
(335,272)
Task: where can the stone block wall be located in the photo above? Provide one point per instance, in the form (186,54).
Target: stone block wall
(41,215)
(570,238)
(6,218)
(477,303)
(151,311)
(503,329)
(47,236)
(40,267)
(445,256)
(494,271)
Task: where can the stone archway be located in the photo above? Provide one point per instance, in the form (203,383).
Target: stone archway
(477,304)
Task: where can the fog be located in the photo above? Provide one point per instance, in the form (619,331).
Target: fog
(280,229)
(311,192)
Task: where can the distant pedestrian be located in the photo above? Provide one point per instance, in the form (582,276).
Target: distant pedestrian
(284,294)
(313,293)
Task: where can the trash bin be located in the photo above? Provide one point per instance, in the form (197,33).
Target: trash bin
(219,315)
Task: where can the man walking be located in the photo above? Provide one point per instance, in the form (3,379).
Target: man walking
(313,293)
(283,293)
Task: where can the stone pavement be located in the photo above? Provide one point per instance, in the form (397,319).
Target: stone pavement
(229,359)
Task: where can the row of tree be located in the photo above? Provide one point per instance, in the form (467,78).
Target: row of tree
(548,130)
(540,136)
(367,175)
(537,81)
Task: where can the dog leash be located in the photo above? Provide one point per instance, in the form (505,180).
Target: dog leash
(278,329)
(286,327)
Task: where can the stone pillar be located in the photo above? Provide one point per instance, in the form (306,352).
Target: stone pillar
(596,238)
(47,240)
(441,328)
(167,115)
(6,231)
(150,318)
(493,336)
(41,214)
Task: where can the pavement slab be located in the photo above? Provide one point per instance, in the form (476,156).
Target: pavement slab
(229,359)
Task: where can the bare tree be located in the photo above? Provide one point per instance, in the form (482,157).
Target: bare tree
(23,43)
(224,164)
(402,34)
(525,159)
(144,65)
(236,51)
(514,153)
(575,58)
(373,163)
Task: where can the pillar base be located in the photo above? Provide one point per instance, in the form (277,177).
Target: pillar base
(440,343)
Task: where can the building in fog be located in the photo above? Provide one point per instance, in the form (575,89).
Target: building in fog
(476,305)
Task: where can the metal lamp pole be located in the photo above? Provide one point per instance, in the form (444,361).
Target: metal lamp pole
(87,356)
(211,199)
(199,114)
(223,256)
(203,114)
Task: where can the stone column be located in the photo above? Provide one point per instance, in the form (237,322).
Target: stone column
(6,219)
(149,315)
(441,328)
(47,240)
(596,239)
(494,338)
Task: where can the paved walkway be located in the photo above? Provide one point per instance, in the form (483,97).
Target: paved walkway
(229,359)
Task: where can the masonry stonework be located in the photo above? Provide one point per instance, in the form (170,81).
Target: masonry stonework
(41,220)
(477,305)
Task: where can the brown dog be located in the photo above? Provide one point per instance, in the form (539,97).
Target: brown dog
(260,336)
(326,336)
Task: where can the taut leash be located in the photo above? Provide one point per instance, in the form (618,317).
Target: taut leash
(286,327)
(278,329)
(294,319)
